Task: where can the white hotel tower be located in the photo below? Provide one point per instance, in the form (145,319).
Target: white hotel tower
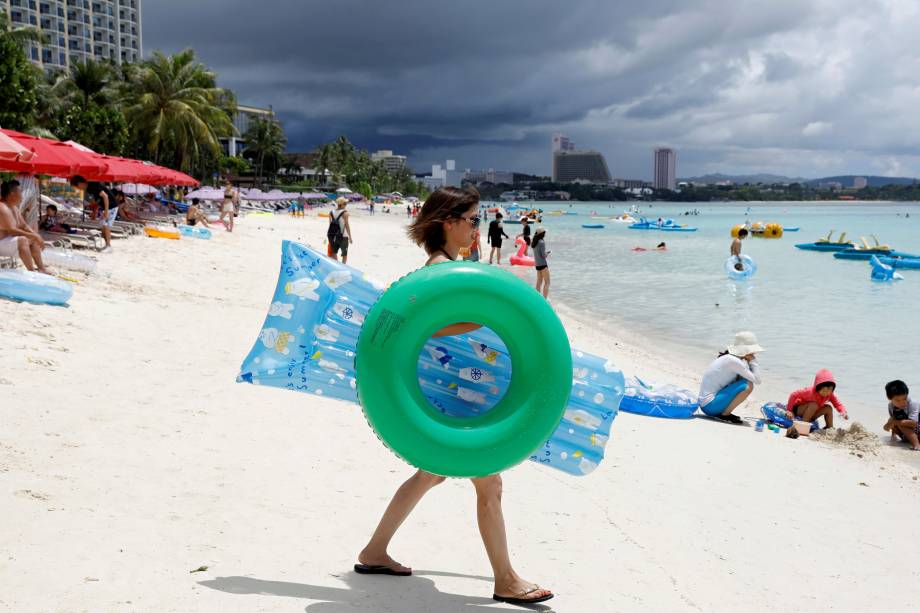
(77,30)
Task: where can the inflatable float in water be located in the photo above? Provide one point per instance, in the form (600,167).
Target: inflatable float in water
(904,263)
(309,340)
(667,225)
(195,232)
(775,412)
(592,226)
(521,258)
(36,287)
(883,272)
(749,267)
(667,401)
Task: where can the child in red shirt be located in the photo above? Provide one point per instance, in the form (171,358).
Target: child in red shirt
(810,403)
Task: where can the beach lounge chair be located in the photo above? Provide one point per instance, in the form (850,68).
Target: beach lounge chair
(91,239)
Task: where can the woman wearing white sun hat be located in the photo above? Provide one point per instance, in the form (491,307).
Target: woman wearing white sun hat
(731,378)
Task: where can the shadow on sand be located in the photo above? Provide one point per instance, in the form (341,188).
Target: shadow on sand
(370,593)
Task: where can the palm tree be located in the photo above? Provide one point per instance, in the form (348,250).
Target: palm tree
(265,141)
(176,110)
(323,161)
(88,81)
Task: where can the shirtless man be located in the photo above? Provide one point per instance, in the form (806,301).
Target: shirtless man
(16,237)
(736,248)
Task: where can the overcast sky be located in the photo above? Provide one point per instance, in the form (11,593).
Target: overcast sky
(796,87)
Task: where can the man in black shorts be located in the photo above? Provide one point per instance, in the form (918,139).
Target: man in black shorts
(104,198)
(496,232)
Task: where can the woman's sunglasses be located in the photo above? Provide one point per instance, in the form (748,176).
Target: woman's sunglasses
(474,220)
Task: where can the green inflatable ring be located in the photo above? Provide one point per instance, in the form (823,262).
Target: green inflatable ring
(401,322)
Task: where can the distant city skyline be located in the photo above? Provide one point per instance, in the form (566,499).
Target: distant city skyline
(790,88)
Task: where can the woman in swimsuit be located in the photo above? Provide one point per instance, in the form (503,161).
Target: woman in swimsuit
(446,223)
(227,209)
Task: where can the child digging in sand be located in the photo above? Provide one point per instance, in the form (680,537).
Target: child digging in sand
(903,414)
(810,403)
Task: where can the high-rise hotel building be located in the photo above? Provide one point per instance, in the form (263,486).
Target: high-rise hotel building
(571,165)
(76,30)
(664,172)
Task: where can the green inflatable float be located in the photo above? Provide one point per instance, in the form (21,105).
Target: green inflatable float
(386,361)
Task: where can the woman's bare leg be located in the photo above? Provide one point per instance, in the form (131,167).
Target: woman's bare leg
(737,400)
(404,500)
(545,282)
(492,529)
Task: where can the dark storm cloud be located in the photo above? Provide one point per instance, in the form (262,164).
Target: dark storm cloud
(488,82)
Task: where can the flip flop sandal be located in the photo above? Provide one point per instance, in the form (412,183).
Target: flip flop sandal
(368,569)
(520,600)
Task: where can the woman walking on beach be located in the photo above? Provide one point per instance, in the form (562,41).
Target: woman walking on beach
(227,208)
(539,259)
(731,378)
(447,222)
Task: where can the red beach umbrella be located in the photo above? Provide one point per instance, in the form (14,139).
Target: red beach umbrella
(13,151)
(51,157)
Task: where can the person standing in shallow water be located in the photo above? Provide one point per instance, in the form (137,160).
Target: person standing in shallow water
(539,260)
(496,232)
(736,248)
(447,223)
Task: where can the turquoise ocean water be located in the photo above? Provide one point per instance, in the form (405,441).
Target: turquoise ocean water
(808,309)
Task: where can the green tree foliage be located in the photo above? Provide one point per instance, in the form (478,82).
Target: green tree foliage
(176,111)
(351,166)
(265,142)
(87,82)
(101,128)
(234,165)
(18,98)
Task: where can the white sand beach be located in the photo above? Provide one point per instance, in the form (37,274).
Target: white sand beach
(129,457)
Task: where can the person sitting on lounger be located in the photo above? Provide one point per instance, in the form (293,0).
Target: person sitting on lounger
(16,237)
(125,211)
(50,222)
(194,214)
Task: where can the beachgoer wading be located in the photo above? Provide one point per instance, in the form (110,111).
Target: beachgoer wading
(496,232)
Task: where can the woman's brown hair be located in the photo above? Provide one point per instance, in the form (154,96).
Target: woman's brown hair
(442,205)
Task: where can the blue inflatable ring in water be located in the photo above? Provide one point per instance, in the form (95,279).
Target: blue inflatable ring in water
(724,398)
(35,287)
(748,264)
